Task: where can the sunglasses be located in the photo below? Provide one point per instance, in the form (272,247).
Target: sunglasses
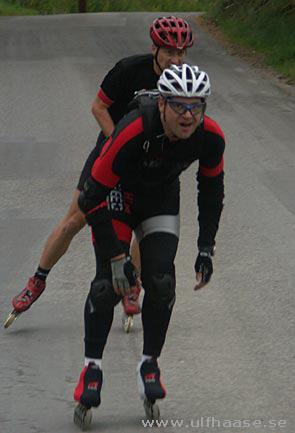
(181,107)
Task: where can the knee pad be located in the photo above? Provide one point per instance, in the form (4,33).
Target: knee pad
(161,288)
(102,294)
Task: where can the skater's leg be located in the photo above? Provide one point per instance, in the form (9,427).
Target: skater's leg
(56,245)
(99,307)
(60,238)
(158,278)
(158,251)
(62,235)
(118,200)
(131,302)
(135,254)
(98,316)
(58,241)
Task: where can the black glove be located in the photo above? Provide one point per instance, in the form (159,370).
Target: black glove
(204,265)
(124,274)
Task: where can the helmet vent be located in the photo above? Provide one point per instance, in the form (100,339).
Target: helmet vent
(172,32)
(186,81)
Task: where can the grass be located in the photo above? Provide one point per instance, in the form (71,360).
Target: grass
(71,6)
(8,9)
(145,5)
(266,26)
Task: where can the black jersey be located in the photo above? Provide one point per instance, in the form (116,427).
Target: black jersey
(126,77)
(117,91)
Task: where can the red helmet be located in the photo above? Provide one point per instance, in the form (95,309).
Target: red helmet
(172,32)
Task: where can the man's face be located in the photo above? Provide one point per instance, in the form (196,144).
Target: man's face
(168,56)
(178,121)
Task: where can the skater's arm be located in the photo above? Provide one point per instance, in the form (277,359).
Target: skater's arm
(210,178)
(111,90)
(100,111)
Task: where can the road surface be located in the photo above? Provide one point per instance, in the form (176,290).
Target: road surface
(230,350)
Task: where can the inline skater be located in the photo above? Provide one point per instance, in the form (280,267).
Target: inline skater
(147,172)
(171,36)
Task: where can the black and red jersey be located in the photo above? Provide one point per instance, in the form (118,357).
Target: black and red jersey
(126,77)
(149,168)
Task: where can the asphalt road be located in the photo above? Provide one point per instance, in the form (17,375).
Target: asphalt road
(230,348)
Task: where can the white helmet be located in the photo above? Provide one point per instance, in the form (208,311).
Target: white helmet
(185,81)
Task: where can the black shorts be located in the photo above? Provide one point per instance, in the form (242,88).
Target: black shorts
(94,154)
(144,213)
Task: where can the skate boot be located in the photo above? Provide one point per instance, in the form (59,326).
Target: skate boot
(131,307)
(87,394)
(150,387)
(25,299)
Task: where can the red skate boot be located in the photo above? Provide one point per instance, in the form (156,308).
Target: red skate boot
(131,307)
(25,299)
(87,394)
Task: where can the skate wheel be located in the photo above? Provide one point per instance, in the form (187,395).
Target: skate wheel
(152,410)
(82,417)
(127,322)
(11,318)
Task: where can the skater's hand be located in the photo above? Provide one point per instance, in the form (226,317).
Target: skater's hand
(203,268)
(124,275)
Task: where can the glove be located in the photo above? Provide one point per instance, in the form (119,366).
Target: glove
(204,265)
(124,275)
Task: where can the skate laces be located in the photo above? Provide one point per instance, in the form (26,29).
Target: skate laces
(27,296)
(33,289)
(130,299)
(133,296)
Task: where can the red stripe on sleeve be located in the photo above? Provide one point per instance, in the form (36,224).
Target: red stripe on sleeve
(212,172)
(104,97)
(102,169)
(211,126)
(122,230)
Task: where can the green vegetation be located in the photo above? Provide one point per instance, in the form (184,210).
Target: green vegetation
(71,6)
(8,9)
(145,5)
(266,26)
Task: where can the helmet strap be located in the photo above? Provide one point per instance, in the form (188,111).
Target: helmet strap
(165,105)
(156,58)
(204,109)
